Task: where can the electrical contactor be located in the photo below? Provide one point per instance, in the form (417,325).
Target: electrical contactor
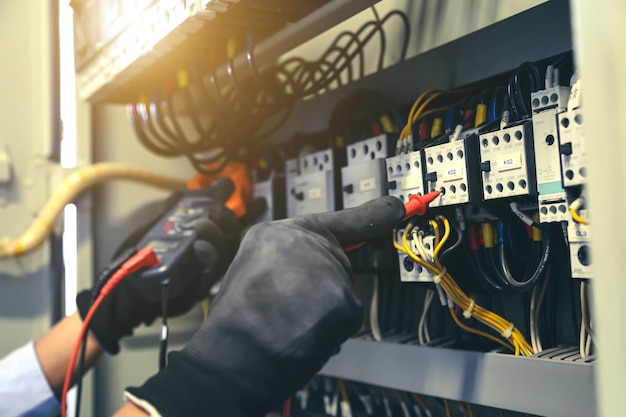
(452,168)
(364,178)
(404,175)
(572,148)
(552,199)
(507,162)
(316,189)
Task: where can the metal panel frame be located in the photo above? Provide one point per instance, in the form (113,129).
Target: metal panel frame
(531,385)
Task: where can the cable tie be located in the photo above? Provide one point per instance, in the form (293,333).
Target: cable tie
(508,332)
(468,313)
(437,279)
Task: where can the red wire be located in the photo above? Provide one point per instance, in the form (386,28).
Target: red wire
(287,408)
(142,259)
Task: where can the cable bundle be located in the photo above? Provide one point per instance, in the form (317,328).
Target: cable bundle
(457,297)
(209,120)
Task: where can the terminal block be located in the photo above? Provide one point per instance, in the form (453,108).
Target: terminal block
(316,189)
(572,148)
(364,178)
(507,162)
(552,204)
(409,270)
(579,247)
(273,191)
(453,168)
(405,176)
(554,98)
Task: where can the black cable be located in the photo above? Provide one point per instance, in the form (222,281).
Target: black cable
(383,41)
(191,107)
(100,281)
(137,124)
(459,240)
(514,88)
(243,115)
(155,110)
(180,135)
(479,270)
(165,290)
(529,282)
(149,120)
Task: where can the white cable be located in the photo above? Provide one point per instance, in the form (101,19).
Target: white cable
(426,332)
(542,294)
(556,77)
(549,76)
(418,241)
(456,133)
(584,309)
(577,204)
(533,334)
(521,215)
(374,326)
(422,333)
(582,341)
(505,119)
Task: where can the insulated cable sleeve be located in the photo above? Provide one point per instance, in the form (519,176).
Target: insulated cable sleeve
(145,258)
(537,273)
(72,186)
(101,280)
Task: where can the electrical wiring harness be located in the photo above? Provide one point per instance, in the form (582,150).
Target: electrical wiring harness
(457,297)
(209,119)
(72,186)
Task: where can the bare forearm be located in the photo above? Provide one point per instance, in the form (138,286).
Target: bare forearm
(130,410)
(54,350)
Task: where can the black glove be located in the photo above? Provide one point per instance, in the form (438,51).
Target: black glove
(285,306)
(125,308)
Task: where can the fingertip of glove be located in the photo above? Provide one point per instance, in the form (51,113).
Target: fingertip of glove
(390,205)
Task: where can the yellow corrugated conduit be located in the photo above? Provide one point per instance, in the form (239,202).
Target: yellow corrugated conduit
(72,186)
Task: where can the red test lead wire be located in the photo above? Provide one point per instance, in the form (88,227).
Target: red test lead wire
(416,206)
(145,258)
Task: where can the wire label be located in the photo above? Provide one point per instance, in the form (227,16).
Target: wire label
(315,193)
(453,174)
(367,184)
(512,161)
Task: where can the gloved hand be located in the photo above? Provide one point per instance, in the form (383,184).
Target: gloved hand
(285,305)
(124,308)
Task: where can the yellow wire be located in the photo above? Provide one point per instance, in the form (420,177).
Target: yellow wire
(206,304)
(342,391)
(492,320)
(444,239)
(407,128)
(420,402)
(398,396)
(445,403)
(478,332)
(576,217)
(435,227)
(470,413)
(501,413)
